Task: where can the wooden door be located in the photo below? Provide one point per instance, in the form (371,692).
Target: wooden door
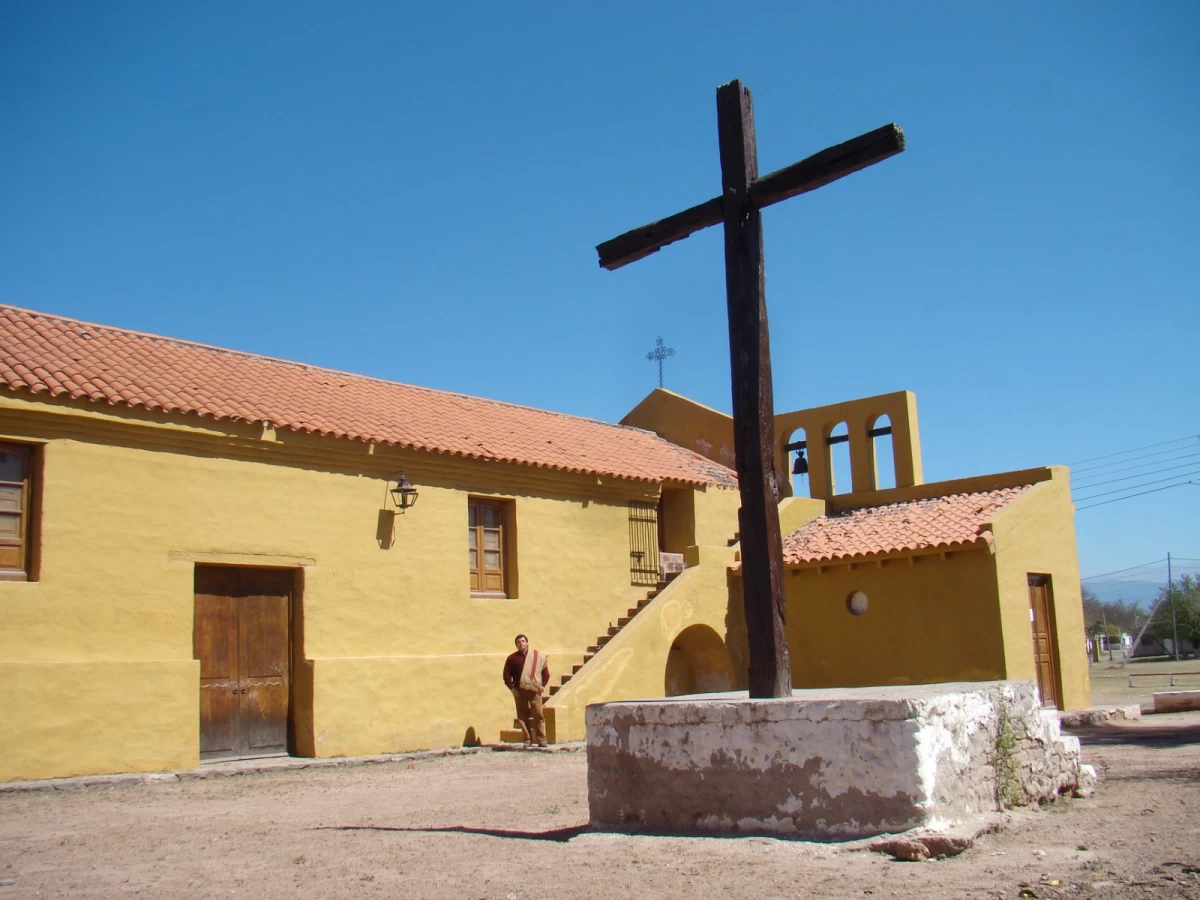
(1041,617)
(241,637)
(644,566)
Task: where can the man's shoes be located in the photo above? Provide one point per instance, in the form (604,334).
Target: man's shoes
(543,744)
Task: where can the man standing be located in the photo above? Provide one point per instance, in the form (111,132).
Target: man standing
(526,674)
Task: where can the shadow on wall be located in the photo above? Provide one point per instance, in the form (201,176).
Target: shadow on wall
(697,664)
(385,529)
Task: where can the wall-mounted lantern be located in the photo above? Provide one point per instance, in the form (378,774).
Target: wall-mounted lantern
(403,494)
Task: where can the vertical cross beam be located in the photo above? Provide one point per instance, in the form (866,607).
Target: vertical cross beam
(753,402)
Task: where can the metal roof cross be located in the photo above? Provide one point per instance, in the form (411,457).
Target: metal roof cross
(660,353)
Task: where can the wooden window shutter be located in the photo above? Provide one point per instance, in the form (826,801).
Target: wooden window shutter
(16,472)
(643,543)
(485,546)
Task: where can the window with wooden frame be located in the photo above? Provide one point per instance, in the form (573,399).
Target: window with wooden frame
(490,547)
(16,512)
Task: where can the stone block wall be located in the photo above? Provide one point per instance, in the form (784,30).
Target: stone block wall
(827,764)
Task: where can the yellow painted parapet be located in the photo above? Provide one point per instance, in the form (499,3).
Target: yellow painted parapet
(687,423)
(635,663)
(709,432)
(969,485)
(860,417)
(796,512)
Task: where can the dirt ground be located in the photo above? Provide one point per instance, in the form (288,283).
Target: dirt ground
(1110,679)
(513,825)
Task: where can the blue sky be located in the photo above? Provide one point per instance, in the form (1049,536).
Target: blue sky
(415,194)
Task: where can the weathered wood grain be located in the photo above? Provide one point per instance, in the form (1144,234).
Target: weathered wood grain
(753,401)
(807,175)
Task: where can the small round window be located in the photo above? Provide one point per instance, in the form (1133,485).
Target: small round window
(857,603)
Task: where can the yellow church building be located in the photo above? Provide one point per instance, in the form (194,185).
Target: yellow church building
(208,554)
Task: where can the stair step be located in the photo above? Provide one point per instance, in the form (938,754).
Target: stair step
(624,620)
(512,736)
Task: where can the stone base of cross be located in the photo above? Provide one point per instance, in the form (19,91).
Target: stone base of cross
(743,195)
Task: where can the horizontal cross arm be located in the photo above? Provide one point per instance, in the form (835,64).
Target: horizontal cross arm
(641,242)
(828,166)
(807,175)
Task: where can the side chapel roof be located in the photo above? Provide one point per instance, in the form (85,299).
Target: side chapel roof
(46,354)
(953,520)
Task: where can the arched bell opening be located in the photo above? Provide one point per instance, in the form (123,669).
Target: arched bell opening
(882,452)
(838,441)
(798,462)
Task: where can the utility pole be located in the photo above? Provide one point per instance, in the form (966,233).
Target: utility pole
(1171,600)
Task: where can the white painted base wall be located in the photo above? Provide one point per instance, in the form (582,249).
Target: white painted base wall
(824,764)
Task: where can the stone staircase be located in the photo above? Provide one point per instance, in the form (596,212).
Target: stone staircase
(516,734)
(613,631)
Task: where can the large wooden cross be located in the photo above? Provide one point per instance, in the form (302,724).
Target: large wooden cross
(743,194)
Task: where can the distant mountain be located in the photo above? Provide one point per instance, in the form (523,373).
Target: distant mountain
(1143,593)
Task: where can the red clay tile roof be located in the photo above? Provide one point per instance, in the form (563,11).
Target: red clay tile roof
(954,520)
(65,358)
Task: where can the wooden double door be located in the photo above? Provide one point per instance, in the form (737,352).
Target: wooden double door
(242,638)
(1045,640)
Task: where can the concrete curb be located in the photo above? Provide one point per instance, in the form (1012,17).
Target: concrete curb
(1078,718)
(255,767)
(568,747)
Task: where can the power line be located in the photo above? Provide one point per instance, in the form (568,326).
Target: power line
(1156,575)
(1130,569)
(1131,496)
(1139,575)
(1136,449)
(1121,462)
(1131,487)
(1087,487)
(1158,462)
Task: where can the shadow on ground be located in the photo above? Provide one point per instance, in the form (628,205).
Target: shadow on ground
(1155,736)
(557,835)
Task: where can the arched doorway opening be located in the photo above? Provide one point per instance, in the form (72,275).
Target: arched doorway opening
(698,663)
